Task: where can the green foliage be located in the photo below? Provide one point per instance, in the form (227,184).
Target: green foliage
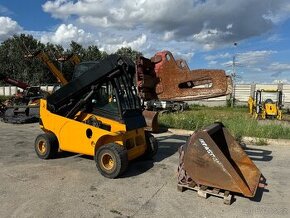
(76,48)
(3,98)
(261,141)
(128,52)
(231,102)
(237,120)
(93,53)
(15,64)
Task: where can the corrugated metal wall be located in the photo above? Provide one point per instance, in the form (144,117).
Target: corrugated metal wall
(242,93)
(286,93)
(11,90)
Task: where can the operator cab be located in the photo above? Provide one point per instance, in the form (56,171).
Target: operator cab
(116,99)
(106,90)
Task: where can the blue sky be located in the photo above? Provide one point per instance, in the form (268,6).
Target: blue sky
(201,31)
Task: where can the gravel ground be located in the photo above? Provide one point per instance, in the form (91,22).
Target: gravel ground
(70,185)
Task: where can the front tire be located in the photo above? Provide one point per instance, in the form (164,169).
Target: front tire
(46,146)
(111,160)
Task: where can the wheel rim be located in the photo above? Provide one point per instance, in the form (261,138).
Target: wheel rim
(41,146)
(107,161)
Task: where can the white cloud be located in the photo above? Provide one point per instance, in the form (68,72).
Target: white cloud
(168,35)
(284,81)
(183,56)
(4,10)
(218,56)
(212,62)
(251,58)
(8,28)
(274,38)
(111,41)
(134,44)
(229,26)
(64,34)
(253,61)
(181,26)
(279,67)
(211,38)
(208,21)
(278,17)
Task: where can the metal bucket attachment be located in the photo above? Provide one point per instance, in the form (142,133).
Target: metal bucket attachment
(213,158)
(151,118)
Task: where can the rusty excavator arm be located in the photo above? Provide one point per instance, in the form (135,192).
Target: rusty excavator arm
(164,78)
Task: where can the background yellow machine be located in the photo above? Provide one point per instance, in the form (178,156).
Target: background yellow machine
(97,114)
(266,104)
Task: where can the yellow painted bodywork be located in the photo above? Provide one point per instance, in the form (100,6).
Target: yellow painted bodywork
(251,105)
(74,59)
(271,109)
(74,135)
(268,109)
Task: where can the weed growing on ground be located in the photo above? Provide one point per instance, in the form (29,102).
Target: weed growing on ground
(261,141)
(237,120)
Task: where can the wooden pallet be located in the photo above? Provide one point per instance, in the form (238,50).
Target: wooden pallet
(204,191)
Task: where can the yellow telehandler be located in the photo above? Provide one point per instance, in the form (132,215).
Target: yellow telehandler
(97,114)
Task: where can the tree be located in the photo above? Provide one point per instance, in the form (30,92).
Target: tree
(76,48)
(93,53)
(128,52)
(13,53)
(14,59)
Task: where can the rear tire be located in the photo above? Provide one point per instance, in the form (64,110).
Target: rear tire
(46,146)
(111,160)
(152,145)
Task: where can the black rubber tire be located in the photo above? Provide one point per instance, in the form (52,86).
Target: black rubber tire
(152,146)
(119,156)
(50,143)
(181,108)
(269,101)
(9,112)
(176,107)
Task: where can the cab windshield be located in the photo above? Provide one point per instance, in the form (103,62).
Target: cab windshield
(114,97)
(83,67)
(269,95)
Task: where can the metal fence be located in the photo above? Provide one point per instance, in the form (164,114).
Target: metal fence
(12,90)
(241,93)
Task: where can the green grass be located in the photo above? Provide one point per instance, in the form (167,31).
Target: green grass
(237,120)
(262,142)
(3,98)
